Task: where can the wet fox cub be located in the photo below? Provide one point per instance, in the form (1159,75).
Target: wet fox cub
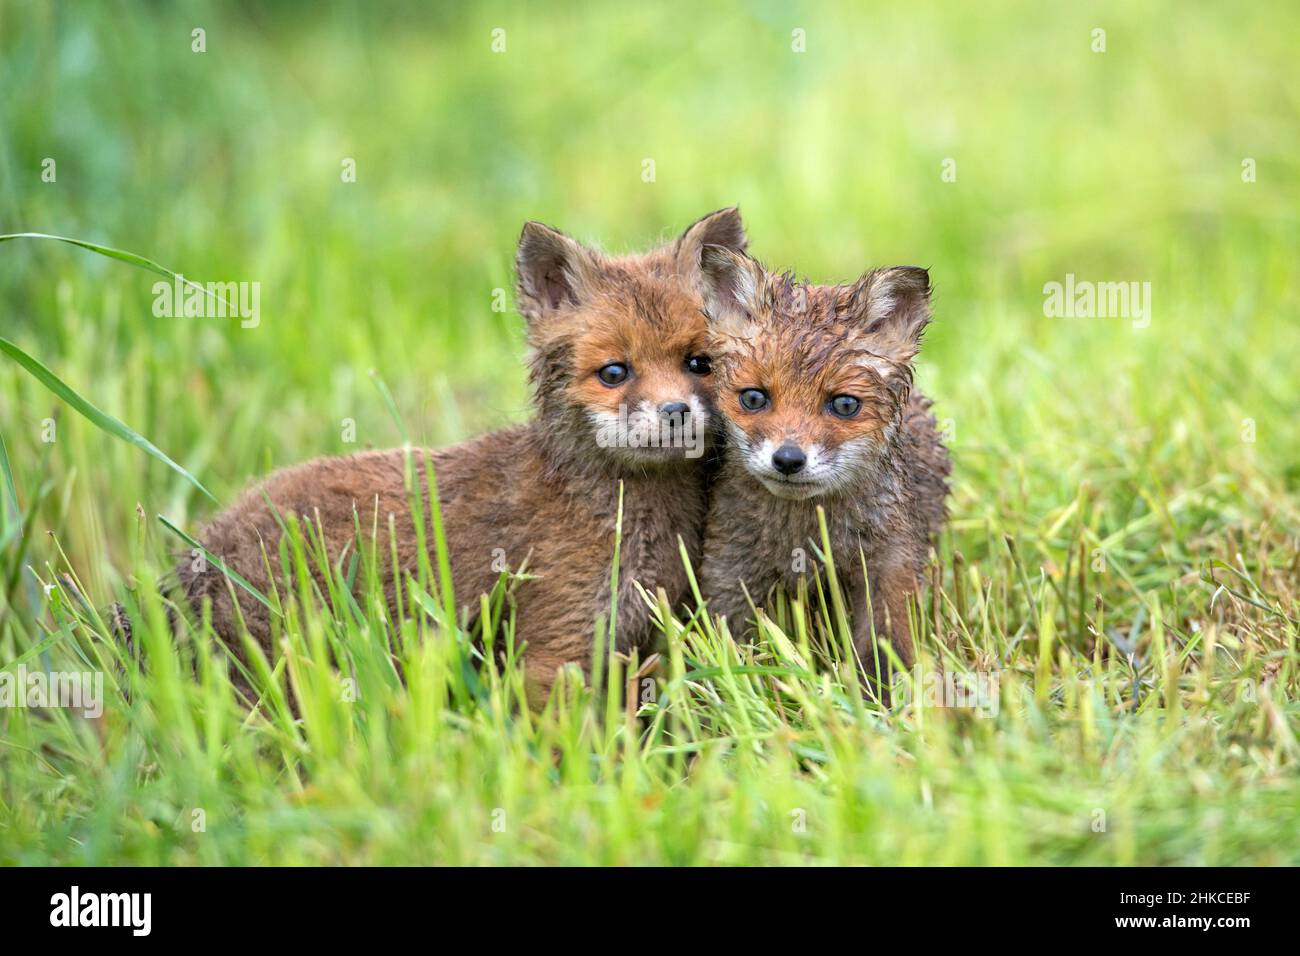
(815,390)
(622,392)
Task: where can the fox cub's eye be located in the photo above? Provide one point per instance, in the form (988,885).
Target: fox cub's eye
(699,365)
(615,373)
(753,399)
(845,406)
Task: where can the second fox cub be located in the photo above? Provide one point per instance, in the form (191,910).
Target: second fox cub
(622,392)
(815,387)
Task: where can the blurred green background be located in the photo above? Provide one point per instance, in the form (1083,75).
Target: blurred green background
(1122,165)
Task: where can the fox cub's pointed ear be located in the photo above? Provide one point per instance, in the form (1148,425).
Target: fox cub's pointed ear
(554,272)
(731,285)
(722,228)
(731,282)
(892,307)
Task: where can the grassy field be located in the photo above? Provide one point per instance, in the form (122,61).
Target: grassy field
(1121,566)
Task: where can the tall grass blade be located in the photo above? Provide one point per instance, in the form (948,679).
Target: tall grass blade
(102,420)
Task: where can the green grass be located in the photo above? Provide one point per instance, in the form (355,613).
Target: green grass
(1126,510)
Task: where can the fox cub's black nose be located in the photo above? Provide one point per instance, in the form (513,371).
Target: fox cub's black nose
(674,410)
(788,459)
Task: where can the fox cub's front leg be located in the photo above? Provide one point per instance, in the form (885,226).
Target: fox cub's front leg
(887,613)
(728,570)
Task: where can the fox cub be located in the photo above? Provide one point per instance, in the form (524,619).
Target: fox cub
(622,393)
(815,390)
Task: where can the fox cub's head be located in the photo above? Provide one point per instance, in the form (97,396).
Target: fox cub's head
(811,380)
(620,364)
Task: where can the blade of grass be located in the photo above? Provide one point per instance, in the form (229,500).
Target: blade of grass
(221,566)
(102,420)
(130,258)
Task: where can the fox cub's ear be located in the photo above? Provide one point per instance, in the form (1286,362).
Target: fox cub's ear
(722,228)
(892,307)
(732,281)
(554,271)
